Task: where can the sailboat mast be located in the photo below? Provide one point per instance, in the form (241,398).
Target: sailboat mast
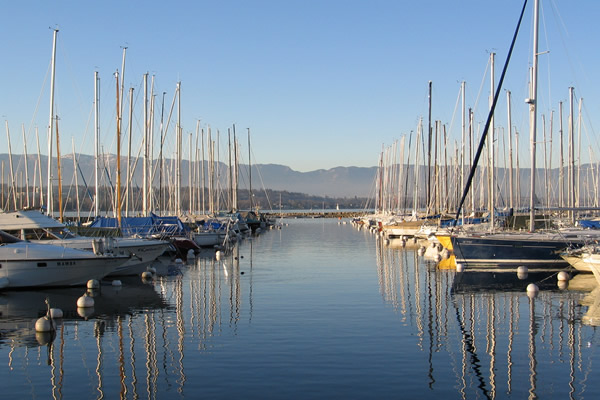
(96,141)
(571,172)
(430,133)
(178,131)
(250,169)
(533,115)
(12,174)
(76,180)
(463,136)
(118,151)
(39,157)
(60,203)
(128,188)
(145,157)
(26,167)
(510,153)
(50,125)
(492,166)
(561,174)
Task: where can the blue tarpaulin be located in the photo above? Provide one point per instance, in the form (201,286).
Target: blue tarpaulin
(144,226)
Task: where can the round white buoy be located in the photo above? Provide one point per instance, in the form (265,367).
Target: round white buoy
(44,324)
(460,267)
(146,275)
(421,251)
(445,254)
(191,254)
(563,276)
(218,255)
(433,245)
(117,282)
(93,284)
(532,288)
(562,285)
(85,301)
(386,242)
(56,313)
(437,258)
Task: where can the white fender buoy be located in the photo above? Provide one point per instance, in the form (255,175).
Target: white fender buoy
(146,275)
(85,301)
(117,282)
(437,257)
(532,290)
(56,313)
(218,255)
(44,324)
(93,284)
(421,251)
(460,267)
(191,254)
(563,276)
(386,242)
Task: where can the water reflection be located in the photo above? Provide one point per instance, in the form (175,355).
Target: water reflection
(505,335)
(85,337)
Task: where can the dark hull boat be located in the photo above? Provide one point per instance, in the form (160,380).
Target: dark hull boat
(510,251)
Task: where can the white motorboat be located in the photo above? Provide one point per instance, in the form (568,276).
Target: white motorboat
(39,228)
(26,264)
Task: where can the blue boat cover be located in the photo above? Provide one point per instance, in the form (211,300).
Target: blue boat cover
(144,226)
(588,223)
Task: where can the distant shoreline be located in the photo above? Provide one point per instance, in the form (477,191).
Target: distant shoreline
(314,214)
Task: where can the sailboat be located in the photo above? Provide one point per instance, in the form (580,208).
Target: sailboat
(511,250)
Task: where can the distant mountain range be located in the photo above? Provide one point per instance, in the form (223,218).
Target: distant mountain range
(334,182)
(339,182)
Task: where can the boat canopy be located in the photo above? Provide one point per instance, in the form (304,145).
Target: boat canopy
(144,226)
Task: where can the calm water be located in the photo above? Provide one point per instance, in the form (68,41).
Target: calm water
(315,310)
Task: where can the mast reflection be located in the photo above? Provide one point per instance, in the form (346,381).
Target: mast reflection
(496,323)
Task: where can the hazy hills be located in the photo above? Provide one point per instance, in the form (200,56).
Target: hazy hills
(334,182)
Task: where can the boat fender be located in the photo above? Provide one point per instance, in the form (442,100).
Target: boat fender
(85,301)
(563,276)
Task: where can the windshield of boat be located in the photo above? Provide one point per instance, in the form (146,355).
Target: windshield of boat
(5,238)
(61,233)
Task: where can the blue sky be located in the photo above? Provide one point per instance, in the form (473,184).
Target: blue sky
(319,83)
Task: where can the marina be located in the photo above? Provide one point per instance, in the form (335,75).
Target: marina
(277,319)
(458,267)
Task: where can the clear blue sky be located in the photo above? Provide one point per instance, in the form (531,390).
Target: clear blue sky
(319,83)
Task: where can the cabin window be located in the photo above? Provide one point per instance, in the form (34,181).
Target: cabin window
(42,264)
